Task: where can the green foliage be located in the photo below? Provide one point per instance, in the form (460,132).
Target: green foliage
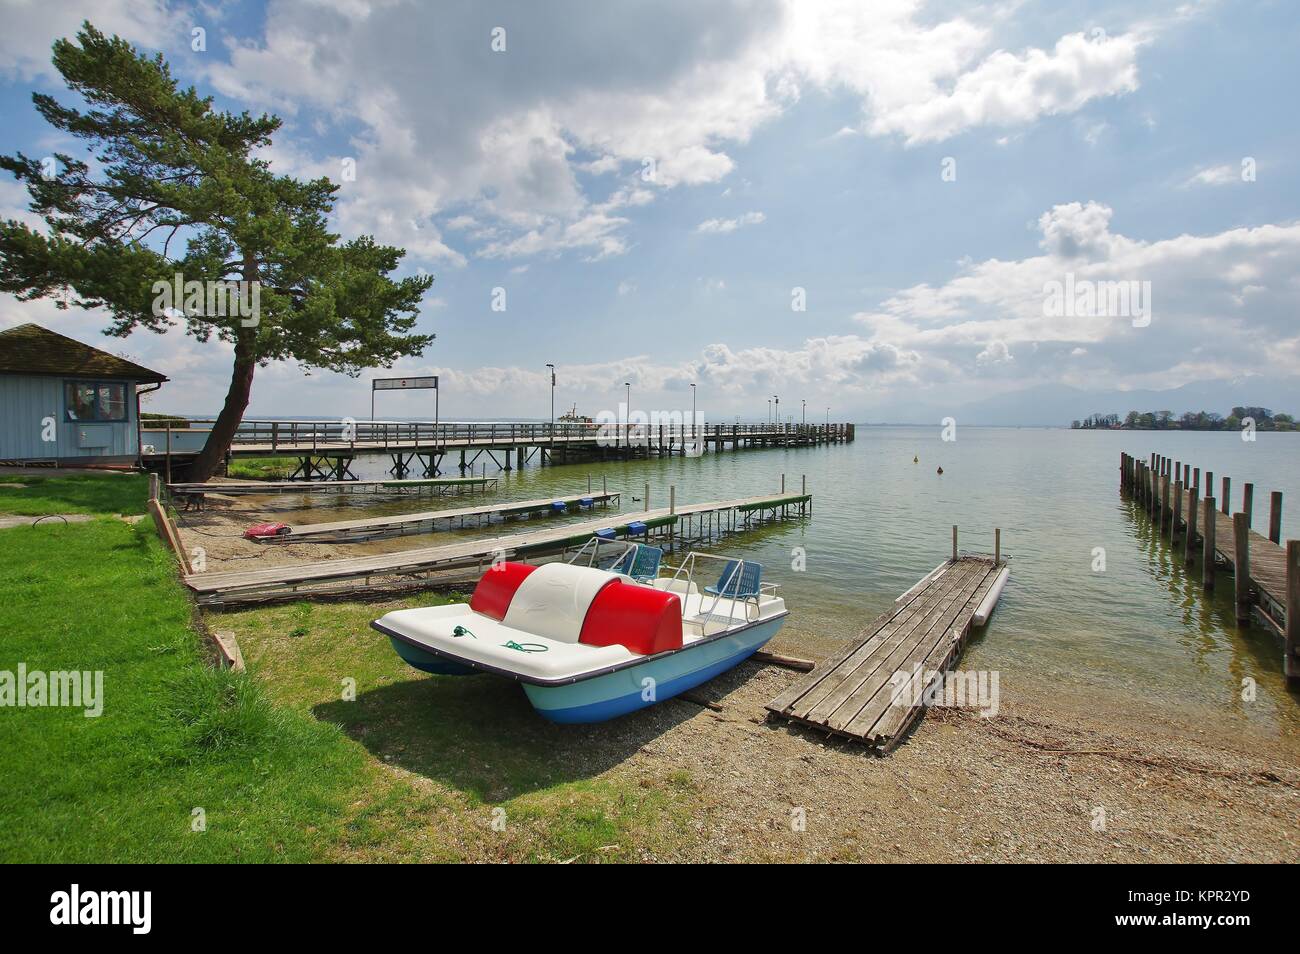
(172,170)
(177,189)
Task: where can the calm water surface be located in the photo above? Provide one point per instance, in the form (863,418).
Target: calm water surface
(1142,626)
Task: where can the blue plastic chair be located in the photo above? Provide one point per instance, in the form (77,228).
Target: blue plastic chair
(642,564)
(741,584)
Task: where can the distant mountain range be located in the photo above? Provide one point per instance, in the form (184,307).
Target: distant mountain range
(1056,405)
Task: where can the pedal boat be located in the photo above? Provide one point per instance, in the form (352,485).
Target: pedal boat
(589,644)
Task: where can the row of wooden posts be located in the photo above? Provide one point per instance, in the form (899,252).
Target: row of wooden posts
(1159,485)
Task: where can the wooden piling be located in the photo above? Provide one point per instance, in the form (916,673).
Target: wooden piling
(1177,511)
(1209,483)
(1164,502)
(646,498)
(1189,542)
(1241,568)
(1248,503)
(1275,517)
(1291,665)
(1226,499)
(1207,554)
(997,544)
(954,541)
(672,498)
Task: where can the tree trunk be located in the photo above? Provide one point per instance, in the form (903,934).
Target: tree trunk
(232,412)
(241,388)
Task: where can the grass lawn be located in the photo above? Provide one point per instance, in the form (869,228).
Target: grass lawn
(175,733)
(90,493)
(262,468)
(471,747)
(287,762)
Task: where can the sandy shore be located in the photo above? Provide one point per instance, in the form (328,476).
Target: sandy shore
(1047,779)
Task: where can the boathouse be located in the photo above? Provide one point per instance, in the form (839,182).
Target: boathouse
(63,402)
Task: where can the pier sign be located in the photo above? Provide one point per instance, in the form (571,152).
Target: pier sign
(403,384)
(407,384)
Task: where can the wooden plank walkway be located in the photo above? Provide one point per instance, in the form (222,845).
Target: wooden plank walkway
(403,524)
(431,485)
(1169,491)
(351,573)
(857,693)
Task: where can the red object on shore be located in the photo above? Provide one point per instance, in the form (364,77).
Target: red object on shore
(259,531)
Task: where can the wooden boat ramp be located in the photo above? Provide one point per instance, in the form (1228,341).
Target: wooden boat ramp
(877,686)
(687,523)
(403,524)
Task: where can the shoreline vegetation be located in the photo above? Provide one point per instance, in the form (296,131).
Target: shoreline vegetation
(1239,417)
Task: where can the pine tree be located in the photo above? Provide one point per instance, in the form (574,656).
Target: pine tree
(176,188)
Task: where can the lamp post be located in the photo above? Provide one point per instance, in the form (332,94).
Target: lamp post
(692,420)
(628,385)
(804,420)
(552,367)
(769,412)
(777,399)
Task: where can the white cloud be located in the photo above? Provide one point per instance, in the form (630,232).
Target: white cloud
(730,225)
(1007,89)
(30,28)
(994,353)
(1225,174)
(678,87)
(1235,288)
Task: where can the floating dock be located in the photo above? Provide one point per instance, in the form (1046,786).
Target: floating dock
(404,524)
(1266,575)
(439,486)
(873,689)
(356,574)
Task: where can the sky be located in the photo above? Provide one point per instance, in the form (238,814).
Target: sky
(861,206)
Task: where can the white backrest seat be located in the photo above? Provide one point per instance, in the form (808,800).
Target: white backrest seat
(553,600)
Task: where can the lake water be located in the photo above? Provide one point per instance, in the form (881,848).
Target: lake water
(1142,627)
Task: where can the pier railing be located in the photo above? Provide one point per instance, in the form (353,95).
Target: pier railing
(300,435)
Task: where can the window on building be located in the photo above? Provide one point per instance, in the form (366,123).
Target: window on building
(95,400)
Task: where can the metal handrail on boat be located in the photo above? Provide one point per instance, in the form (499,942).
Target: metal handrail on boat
(621,548)
(733,577)
(589,554)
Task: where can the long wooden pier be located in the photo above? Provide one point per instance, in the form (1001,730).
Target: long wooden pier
(875,688)
(1266,575)
(404,524)
(326,449)
(675,523)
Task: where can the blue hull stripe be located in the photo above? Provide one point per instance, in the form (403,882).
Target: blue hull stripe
(618,693)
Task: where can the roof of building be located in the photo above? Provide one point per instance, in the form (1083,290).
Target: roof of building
(31,349)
